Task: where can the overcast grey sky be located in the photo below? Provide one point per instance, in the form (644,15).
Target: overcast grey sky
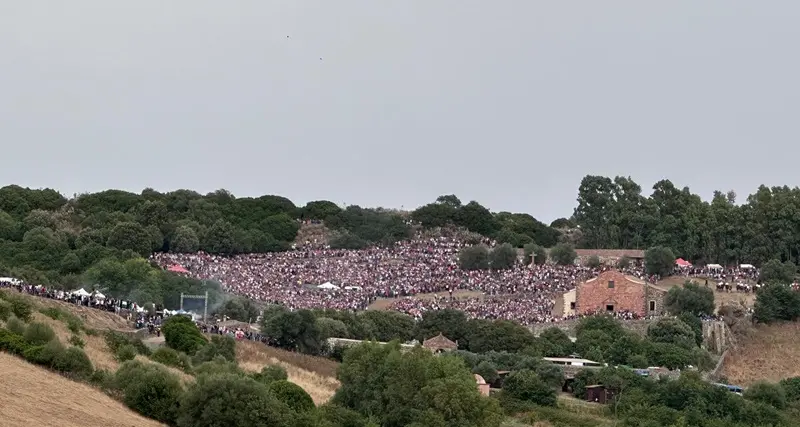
(507,102)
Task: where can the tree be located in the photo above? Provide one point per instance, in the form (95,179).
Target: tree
(690,298)
(776,272)
(149,389)
(672,331)
(185,240)
(130,235)
(292,395)
(503,257)
(448,322)
(526,385)
(474,258)
(293,330)
(181,334)
(221,238)
(563,254)
(593,262)
(231,400)
(764,392)
(659,260)
(535,253)
(776,302)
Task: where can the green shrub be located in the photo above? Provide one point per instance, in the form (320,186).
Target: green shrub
(39,334)
(16,326)
(115,340)
(20,307)
(220,346)
(292,395)
(271,373)
(181,334)
(12,343)
(231,401)
(125,353)
(77,341)
(51,352)
(52,312)
(32,354)
(6,310)
(149,389)
(170,357)
(102,378)
(74,361)
(526,385)
(767,393)
(218,366)
(74,325)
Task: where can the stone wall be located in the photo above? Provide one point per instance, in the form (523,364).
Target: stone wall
(611,288)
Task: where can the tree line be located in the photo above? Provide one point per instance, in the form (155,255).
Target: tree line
(615,214)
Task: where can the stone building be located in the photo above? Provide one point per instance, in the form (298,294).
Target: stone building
(439,344)
(609,256)
(614,292)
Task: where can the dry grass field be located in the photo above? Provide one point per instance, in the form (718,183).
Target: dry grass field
(768,353)
(385,303)
(36,397)
(316,375)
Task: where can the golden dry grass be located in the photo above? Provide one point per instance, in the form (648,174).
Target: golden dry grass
(92,318)
(769,353)
(316,375)
(36,397)
(95,347)
(385,303)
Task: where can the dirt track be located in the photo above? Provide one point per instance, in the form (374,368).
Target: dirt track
(35,397)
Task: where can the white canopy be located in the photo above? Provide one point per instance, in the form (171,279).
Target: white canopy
(327,285)
(714,266)
(98,295)
(352,288)
(746,266)
(81,293)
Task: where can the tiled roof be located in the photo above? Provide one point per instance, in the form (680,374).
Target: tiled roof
(439,341)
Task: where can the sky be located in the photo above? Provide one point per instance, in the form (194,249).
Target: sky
(393,103)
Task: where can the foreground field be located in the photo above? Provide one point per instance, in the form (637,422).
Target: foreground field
(36,397)
(769,353)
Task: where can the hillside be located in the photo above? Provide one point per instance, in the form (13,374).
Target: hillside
(37,397)
(768,353)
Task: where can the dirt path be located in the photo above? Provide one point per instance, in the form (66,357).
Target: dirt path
(385,303)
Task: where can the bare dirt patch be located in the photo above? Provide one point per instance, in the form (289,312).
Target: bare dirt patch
(36,397)
(385,303)
(316,375)
(769,353)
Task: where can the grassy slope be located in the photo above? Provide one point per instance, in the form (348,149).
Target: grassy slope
(34,396)
(768,353)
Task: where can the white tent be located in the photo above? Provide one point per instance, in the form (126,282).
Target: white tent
(746,266)
(327,285)
(352,288)
(81,293)
(714,266)
(98,295)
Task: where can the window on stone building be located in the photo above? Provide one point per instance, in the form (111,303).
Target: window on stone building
(610,307)
(572,305)
(610,284)
(652,306)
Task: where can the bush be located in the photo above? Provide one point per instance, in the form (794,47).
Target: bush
(45,355)
(73,361)
(791,387)
(218,366)
(767,393)
(52,312)
(116,340)
(102,378)
(232,401)
(149,389)
(74,325)
(20,307)
(39,334)
(125,353)
(12,343)
(77,341)
(5,310)
(220,346)
(526,385)
(271,373)
(170,357)
(16,326)
(563,254)
(181,334)
(292,395)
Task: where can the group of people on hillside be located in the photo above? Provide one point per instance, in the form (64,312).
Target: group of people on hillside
(93,300)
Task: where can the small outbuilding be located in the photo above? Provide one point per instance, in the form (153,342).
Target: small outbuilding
(598,393)
(439,344)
